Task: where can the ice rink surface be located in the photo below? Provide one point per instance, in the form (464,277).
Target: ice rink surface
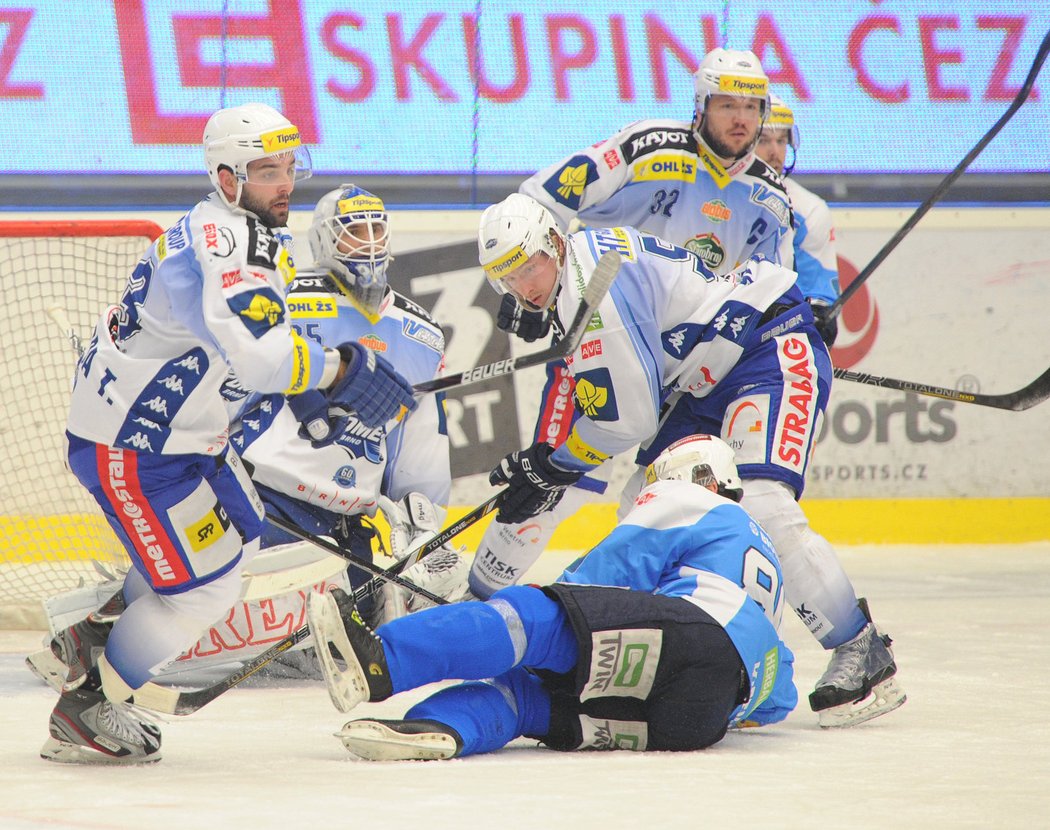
(970,748)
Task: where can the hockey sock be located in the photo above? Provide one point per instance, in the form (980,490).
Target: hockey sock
(491,714)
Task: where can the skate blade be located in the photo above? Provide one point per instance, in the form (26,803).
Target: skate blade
(374,741)
(63,752)
(346,687)
(883,698)
(48,668)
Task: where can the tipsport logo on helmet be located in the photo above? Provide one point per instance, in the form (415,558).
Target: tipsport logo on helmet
(283,139)
(360,204)
(740,85)
(499,268)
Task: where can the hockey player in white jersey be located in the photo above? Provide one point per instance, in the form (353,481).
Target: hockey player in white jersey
(697,184)
(660,638)
(330,487)
(815,258)
(673,350)
(148,425)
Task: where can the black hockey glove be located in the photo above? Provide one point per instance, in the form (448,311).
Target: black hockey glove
(827,325)
(528,325)
(535,483)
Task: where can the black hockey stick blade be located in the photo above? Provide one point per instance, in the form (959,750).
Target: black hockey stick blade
(598,286)
(1034,393)
(947,182)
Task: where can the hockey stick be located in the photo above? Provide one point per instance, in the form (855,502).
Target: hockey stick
(1025,398)
(58,314)
(947,182)
(173,702)
(605,272)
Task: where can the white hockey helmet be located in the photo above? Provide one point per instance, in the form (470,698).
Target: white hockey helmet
(511,231)
(699,459)
(350,237)
(235,136)
(730,72)
(781,117)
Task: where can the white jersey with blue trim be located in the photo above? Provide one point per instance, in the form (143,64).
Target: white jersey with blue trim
(655,176)
(815,259)
(682,540)
(667,325)
(394,459)
(207,297)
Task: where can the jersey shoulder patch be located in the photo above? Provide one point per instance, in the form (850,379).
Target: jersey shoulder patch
(408,306)
(418,325)
(657,136)
(760,170)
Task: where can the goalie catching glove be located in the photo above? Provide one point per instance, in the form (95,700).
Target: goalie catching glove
(534,482)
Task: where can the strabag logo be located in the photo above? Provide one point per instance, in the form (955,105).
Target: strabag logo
(794,430)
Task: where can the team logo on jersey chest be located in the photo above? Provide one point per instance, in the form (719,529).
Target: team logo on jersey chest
(594,391)
(259,310)
(567,185)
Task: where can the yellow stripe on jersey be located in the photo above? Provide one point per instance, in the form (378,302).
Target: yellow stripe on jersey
(714,167)
(300,366)
(583,451)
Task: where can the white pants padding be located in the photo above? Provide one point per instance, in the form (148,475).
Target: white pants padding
(157,628)
(814,581)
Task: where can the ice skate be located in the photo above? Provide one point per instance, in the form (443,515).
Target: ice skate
(341,636)
(73,653)
(400,740)
(859,683)
(88,728)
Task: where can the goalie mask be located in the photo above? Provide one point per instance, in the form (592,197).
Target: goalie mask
(729,72)
(350,238)
(236,136)
(699,459)
(511,232)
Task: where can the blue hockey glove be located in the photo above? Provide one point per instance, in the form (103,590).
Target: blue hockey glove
(320,423)
(827,325)
(370,387)
(535,483)
(528,325)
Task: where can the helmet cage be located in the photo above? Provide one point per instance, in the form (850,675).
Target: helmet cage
(782,118)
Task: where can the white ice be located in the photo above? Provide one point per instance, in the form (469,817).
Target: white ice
(970,748)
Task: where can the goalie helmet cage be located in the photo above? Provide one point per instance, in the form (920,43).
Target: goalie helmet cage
(51,530)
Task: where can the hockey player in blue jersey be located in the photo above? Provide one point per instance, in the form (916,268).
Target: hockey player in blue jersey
(815,258)
(697,184)
(660,638)
(148,425)
(672,350)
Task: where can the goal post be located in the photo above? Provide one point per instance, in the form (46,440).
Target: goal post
(51,531)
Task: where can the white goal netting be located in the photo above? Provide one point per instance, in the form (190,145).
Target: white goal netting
(51,531)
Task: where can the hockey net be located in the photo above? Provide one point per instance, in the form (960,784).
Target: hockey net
(51,531)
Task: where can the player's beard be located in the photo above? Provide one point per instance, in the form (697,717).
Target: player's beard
(270,217)
(720,149)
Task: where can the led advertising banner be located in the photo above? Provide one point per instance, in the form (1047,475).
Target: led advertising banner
(493,87)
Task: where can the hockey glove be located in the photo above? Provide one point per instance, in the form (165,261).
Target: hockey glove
(320,424)
(535,483)
(827,325)
(413,520)
(528,325)
(370,387)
